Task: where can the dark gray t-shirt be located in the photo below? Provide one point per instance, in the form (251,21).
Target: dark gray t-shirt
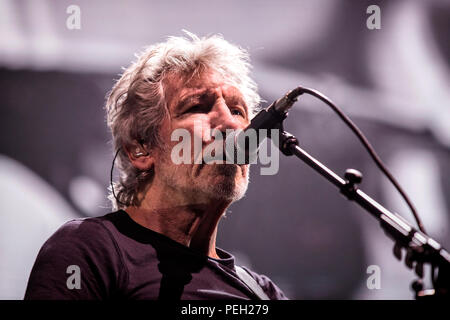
(113,257)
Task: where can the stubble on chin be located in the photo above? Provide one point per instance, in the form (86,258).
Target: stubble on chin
(216,181)
(230,182)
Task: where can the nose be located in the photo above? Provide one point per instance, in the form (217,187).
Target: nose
(222,119)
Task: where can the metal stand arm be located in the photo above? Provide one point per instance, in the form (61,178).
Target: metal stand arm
(420,247)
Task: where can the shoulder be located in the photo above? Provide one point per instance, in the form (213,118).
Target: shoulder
(79,232)
(78,227)
(85,245)
(269,287)
(80,240)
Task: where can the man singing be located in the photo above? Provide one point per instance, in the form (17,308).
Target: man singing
(161,241)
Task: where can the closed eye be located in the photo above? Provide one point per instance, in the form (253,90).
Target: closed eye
(198,108)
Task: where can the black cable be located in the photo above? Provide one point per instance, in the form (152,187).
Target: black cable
(368,147)
(111,178)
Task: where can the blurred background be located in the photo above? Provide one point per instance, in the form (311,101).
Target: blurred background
(56,154)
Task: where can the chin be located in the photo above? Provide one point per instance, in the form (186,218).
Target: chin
(229,192)
(230,184)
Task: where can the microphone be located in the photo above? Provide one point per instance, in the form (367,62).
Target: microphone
(239,146)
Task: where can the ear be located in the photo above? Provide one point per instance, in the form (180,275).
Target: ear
(139,156)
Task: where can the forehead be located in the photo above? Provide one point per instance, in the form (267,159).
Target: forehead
(179,86)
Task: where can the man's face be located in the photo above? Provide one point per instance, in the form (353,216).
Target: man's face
(201,104)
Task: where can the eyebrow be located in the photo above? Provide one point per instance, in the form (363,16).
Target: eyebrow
(186,100)
(238,100)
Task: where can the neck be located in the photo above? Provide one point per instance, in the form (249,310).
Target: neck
(191,224)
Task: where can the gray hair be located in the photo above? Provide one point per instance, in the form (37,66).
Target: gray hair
(136,105)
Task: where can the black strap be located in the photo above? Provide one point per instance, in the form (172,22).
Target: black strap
(251,283)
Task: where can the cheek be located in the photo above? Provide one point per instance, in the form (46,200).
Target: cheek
(165,131)
(199,129)
(187,136)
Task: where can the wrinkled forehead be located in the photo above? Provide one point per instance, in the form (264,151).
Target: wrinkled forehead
(179,85)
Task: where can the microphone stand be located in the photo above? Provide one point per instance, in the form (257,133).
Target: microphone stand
(420,248)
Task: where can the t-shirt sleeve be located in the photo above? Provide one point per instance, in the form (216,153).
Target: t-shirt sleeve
(270,288)
(80,261)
